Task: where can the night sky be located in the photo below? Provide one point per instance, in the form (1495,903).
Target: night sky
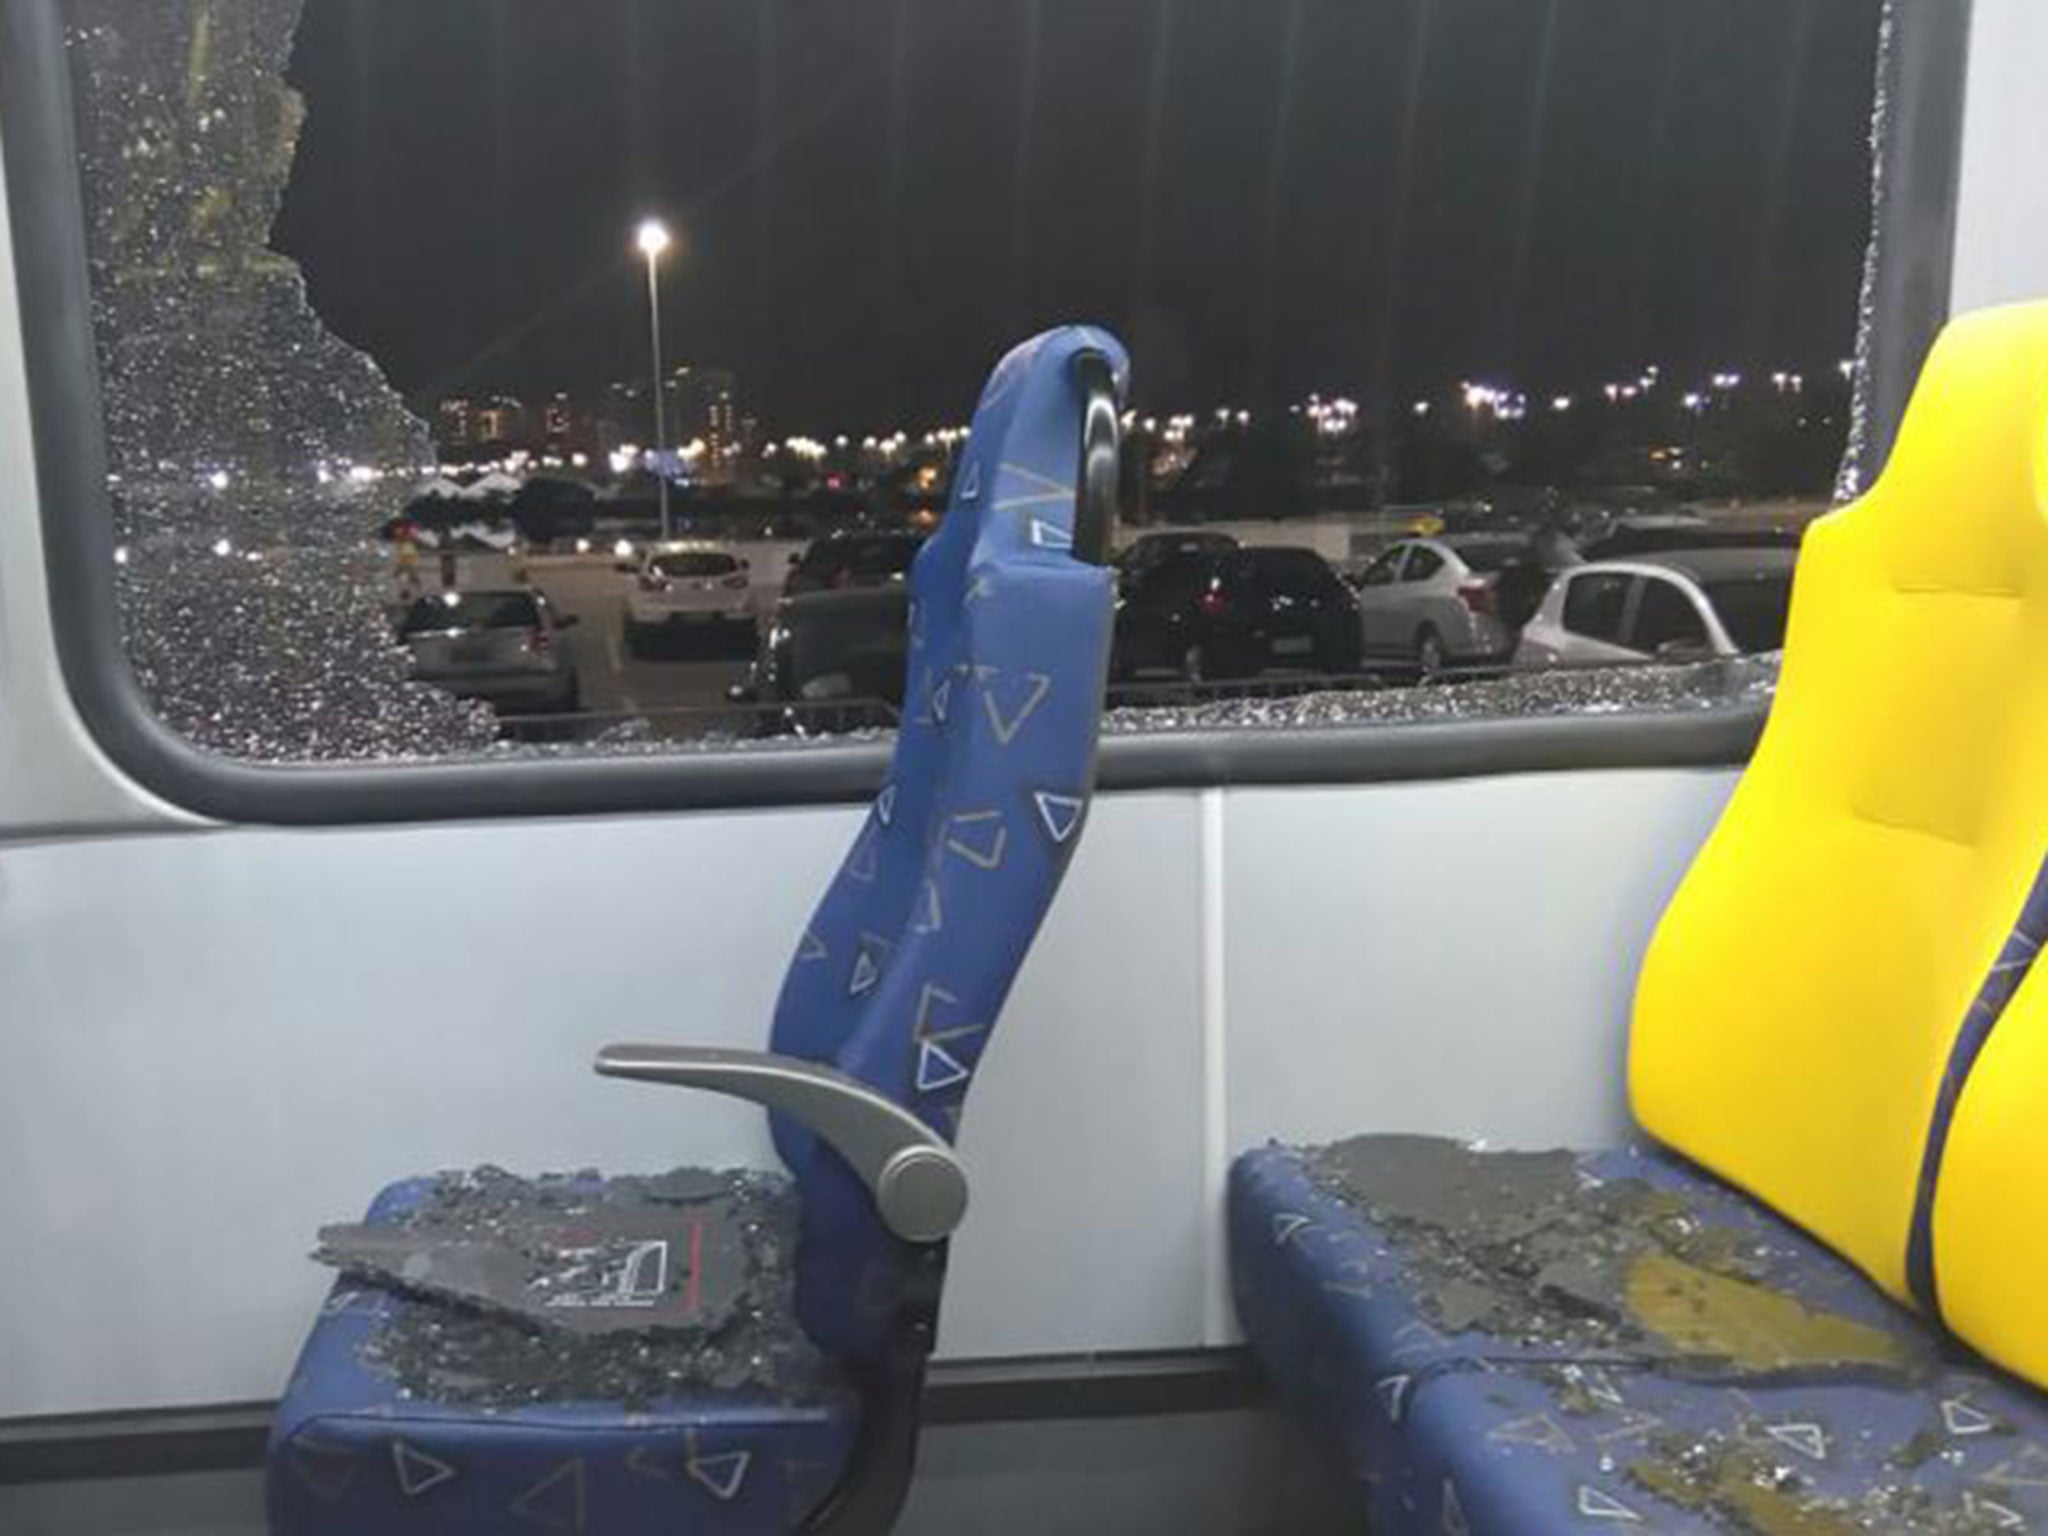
(1264,197)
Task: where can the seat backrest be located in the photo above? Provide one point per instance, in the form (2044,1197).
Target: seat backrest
(902,973)
(1837,1012)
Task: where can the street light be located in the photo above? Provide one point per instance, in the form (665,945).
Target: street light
(653,241)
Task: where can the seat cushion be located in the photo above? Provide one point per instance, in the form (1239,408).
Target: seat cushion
(1501,1342)
(408,1413)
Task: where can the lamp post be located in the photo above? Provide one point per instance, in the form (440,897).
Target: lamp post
(653,241)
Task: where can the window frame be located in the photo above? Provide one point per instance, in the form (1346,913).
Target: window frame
(1915,234)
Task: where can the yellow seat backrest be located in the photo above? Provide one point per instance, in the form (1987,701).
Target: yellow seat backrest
(1810,984)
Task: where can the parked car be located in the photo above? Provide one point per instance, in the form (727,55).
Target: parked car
(835,660)
(843,560)
(688,589)
(1682,605)
(1433,601)
(502,646)
(1236,613)
(1150,549)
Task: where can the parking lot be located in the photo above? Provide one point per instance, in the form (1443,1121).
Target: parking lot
(679,688)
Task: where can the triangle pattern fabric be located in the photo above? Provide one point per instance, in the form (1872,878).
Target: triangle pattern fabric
(1287,1225)
(1050,535)
(1060,813)
(723,1475)
(1039,685)
(1962,1417)
(1393,1394)
(937,1068)
(865,860)
(987,853)
(328,1471)
(970,481)
(1596,1504)
(558,1502)
(810,947)
(1453,1521)
(1539,1430)
(865,975)
(1809,1440)
(885,805)
(417,1471)
(931,916)
(1991,1512)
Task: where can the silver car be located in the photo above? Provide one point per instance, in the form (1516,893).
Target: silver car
(1432,601)
(504,647)
(1676,606)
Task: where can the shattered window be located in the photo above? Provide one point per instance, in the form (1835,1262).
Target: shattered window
(671,314)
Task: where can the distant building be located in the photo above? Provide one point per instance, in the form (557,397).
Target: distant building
(454,426)
(704,407)
(501,419)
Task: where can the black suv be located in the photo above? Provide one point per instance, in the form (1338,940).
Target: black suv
(843,560)
(1229,613)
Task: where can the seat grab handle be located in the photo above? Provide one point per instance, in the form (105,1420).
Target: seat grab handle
(917,1181)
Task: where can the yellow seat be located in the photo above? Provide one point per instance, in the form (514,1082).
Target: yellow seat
(1810,984)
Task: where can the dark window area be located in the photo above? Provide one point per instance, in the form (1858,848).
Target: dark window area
(1593,606)
(1665,616)
(1383,570)
(457,612)
(1423,563)
(694,565)
(1753,611)
(398,299)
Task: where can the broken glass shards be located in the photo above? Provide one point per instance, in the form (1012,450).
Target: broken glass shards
(585,1289)
(1728,684)
(251,453)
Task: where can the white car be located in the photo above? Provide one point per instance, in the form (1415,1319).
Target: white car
(689,588)
(1432,601)
(1679,605)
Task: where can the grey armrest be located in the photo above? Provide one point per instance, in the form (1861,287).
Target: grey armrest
(917,1181)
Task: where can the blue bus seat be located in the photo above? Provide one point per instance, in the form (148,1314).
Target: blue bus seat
(1838,1042)
(895,987)
(1840,1412)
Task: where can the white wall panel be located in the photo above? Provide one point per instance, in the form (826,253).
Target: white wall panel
(1453,957)
(2002,223)
(213,1042)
